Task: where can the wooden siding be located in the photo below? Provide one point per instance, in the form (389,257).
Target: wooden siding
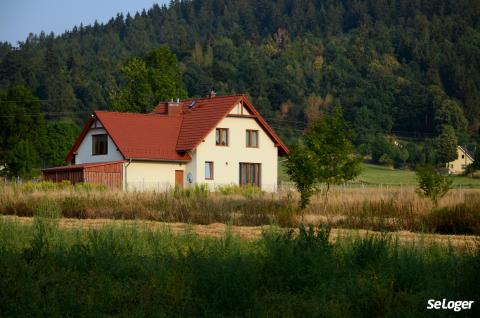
(108,174)
(74,176)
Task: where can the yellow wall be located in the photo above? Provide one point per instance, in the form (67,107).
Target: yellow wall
(458,166)
(145,175)
(226,159)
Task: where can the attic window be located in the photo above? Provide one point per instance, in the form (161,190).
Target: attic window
(221,137)
(99,144)
(463,156)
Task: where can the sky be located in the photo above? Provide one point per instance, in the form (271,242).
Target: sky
(18,18)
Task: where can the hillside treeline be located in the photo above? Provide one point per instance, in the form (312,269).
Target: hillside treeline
(404,67)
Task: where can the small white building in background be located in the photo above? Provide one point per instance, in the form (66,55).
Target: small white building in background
(218,140)
(459,165)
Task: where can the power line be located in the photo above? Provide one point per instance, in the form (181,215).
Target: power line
(40,100)
(52,114)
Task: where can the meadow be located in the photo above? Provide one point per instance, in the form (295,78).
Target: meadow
(379,176)
(386,208)
(134,271)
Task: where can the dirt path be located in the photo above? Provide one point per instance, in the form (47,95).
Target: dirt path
(255,232)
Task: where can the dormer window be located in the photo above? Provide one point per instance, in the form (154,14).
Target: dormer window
(221,137)
(99,144)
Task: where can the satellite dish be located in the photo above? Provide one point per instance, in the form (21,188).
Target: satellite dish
(189,177)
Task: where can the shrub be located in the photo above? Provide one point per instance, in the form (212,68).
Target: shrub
(432,184)
(459,219)
(244,190)
(386,161)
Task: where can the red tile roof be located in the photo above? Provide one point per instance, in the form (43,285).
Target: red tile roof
(159,136)
(201,119)
(144,136)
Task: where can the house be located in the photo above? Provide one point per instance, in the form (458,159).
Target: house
(216,140)
(459,165)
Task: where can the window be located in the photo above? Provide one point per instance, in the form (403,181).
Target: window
(250,173)
(463,156)
(221,138)
(208,170)
(99,144)
(252,138)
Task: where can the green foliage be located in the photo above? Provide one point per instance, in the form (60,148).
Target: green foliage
(476,161)
(136,95)
(385,160)
(450,113)
(301,168)
(432,184)
(327,156)
(148,81)
(24,161)
(109,271)
(244,190)
(405,67)
(165,76)
(61,135)
(447,145)
(22,133)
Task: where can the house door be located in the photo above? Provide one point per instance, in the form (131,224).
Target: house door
(179,178)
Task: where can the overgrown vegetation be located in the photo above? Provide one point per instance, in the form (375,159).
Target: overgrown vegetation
(132,271)
(383,209)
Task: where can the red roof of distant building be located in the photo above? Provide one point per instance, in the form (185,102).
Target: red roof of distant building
(159,136)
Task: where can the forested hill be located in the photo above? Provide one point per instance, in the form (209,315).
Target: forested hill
(404,66)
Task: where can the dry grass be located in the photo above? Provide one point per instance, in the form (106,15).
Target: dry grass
(378,209)
(218,230)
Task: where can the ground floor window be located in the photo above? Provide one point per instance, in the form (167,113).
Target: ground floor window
(208,170)
(250,173)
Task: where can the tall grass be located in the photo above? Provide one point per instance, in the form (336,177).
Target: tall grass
(385,209)
(136,272)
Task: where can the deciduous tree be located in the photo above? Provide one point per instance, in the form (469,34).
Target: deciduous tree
(326,158)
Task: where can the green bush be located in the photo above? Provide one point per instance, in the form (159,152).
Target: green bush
(244,190)
(432,184)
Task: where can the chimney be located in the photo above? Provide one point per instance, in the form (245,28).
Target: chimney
(212,93)
(174,108)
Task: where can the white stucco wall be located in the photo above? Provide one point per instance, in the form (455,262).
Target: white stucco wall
(227,159)
(146,175)
(84,152)
(238,109)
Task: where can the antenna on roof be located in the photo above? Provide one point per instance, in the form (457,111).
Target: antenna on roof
(212,93)
(192,104)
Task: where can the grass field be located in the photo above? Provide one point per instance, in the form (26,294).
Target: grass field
(134,271)
(379,175)
(388,208)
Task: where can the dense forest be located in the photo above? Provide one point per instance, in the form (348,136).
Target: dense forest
(400,69)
